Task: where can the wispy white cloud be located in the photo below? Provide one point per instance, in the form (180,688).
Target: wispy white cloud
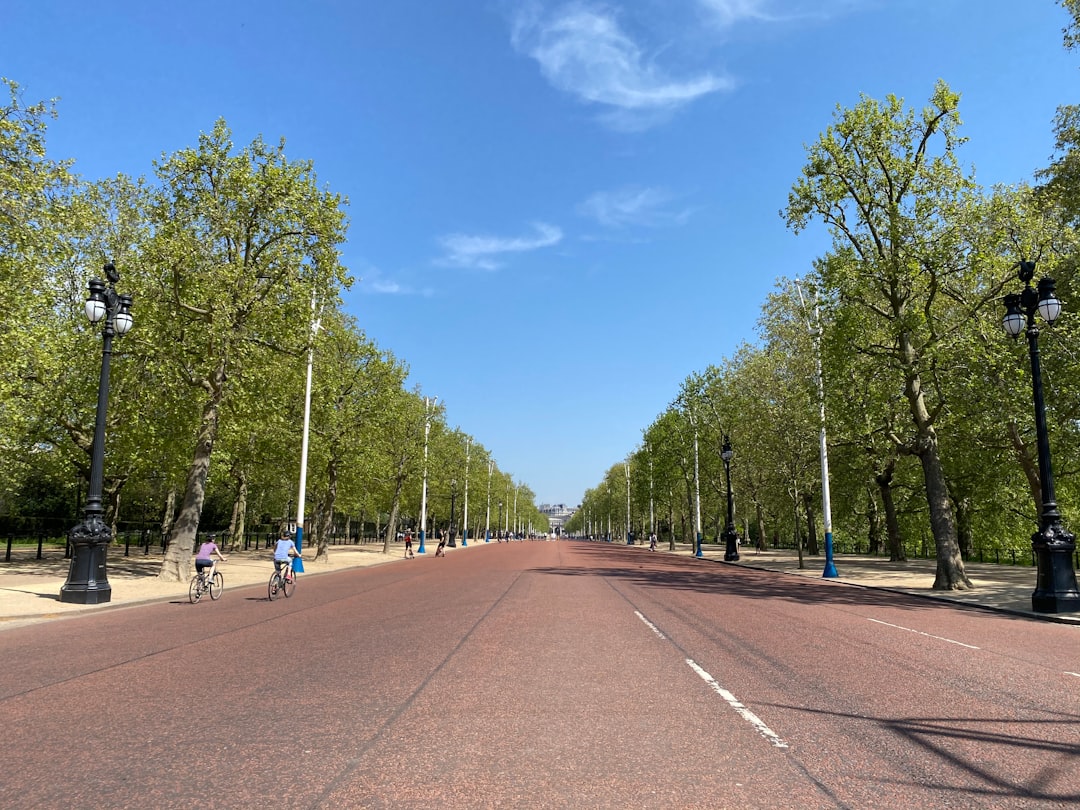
(374,281)
(731,12)
(582,50)
(386,287)
(484,252)
(634,206)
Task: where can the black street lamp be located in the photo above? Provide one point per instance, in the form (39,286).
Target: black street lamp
(731,538)
(87,581)
(453,496)
(1055,587)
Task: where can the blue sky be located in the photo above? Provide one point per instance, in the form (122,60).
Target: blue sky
(558,210)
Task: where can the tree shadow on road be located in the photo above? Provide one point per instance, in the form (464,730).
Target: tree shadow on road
(670,571)
(1041,767)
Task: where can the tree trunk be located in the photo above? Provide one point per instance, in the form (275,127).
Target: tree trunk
(177,565)
(238,523)
(760,515)
(328,505)
(950,566)
(169,513)
(798,536)
(395,505)
(113,496)
(895,542)
(391,527)
(873,523)
(963,526)
(671,522)
(811,525)
(1029,465)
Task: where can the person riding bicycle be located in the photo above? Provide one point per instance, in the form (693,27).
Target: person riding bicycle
(204,556)
(283,552)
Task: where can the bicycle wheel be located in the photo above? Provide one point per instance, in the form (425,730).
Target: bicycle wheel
(289,585)
(195,589)
(216,584)
(274,586)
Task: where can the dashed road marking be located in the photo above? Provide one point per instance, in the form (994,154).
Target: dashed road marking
(921,633)
(744,712)
(1077,674)
(650,625)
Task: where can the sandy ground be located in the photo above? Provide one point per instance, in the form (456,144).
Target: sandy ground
(30,588)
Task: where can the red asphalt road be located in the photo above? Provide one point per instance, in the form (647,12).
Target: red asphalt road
(555,675)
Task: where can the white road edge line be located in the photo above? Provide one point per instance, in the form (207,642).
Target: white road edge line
(650,625)
(747,715)
(921,633)
(1077,674)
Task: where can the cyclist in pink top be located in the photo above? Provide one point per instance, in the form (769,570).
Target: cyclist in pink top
(204,558)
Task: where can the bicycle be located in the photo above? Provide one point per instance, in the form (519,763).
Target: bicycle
(283,581)
(201,583)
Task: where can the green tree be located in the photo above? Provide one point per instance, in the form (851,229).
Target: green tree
(244,242)
(887,183)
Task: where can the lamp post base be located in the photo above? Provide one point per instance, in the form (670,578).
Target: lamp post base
(88,581)
(1055,587)
(830,566)
(731,545)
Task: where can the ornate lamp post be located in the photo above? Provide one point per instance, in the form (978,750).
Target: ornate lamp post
(1055,589)
(731,545)
(87,581)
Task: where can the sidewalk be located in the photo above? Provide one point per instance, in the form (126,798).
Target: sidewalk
(1006,588)
(30,588)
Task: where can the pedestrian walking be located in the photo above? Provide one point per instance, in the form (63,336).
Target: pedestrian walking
(408,546)
(652,541)
(441,550)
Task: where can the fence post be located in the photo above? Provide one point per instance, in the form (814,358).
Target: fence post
(40,541)
(7,557)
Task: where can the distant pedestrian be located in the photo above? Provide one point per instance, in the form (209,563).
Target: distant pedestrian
(441,550)
(652,541)
(408,546)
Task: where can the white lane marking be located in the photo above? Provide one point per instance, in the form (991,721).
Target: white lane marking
(921,633)
(1077,674)
(746,714)
(650,625)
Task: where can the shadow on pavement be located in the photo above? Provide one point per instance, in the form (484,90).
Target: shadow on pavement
(940,738)
(666,570)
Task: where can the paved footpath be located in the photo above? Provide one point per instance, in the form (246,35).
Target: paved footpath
(30,588)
